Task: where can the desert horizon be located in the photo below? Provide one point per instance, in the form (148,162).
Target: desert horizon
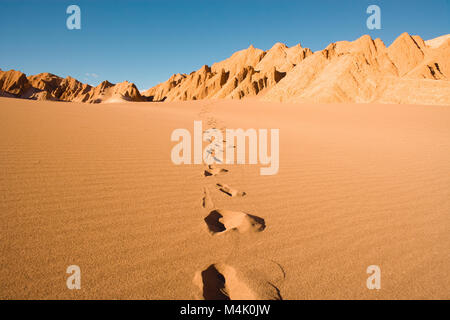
(291,173)
(399,73)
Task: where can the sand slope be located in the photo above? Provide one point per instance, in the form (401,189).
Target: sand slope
(94,186)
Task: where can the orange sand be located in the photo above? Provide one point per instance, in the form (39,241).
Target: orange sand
(93,185)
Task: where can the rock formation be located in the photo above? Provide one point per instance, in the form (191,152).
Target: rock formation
(410,70)
(47,86)
(364,70)
(246,73)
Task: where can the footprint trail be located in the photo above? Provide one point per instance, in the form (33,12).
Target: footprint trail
(220,281)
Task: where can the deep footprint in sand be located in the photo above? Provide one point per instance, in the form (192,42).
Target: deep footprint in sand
(230,191)
(220,221)
(214,171)
(223,282)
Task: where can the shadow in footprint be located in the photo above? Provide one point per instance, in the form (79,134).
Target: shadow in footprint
(257,222)
(223,282)
(220,221)
(213,223)
(207,173)
(230,191)
(213,171)
(213,284)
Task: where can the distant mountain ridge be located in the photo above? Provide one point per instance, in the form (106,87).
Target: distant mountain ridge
(409,71)
(47,86)
(248,72)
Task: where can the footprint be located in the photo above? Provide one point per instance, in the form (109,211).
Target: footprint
(206,200)
(223,282)
(220,221)
(230,191)
(212,284)
(212,155)
(213,171)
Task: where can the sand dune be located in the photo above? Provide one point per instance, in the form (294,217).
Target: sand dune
(358,185)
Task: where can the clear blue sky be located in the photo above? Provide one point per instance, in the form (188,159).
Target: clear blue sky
(146,41)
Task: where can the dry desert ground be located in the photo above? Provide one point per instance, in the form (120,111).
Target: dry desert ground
(93,185)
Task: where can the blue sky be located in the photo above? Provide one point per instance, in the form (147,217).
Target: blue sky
(146,41)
